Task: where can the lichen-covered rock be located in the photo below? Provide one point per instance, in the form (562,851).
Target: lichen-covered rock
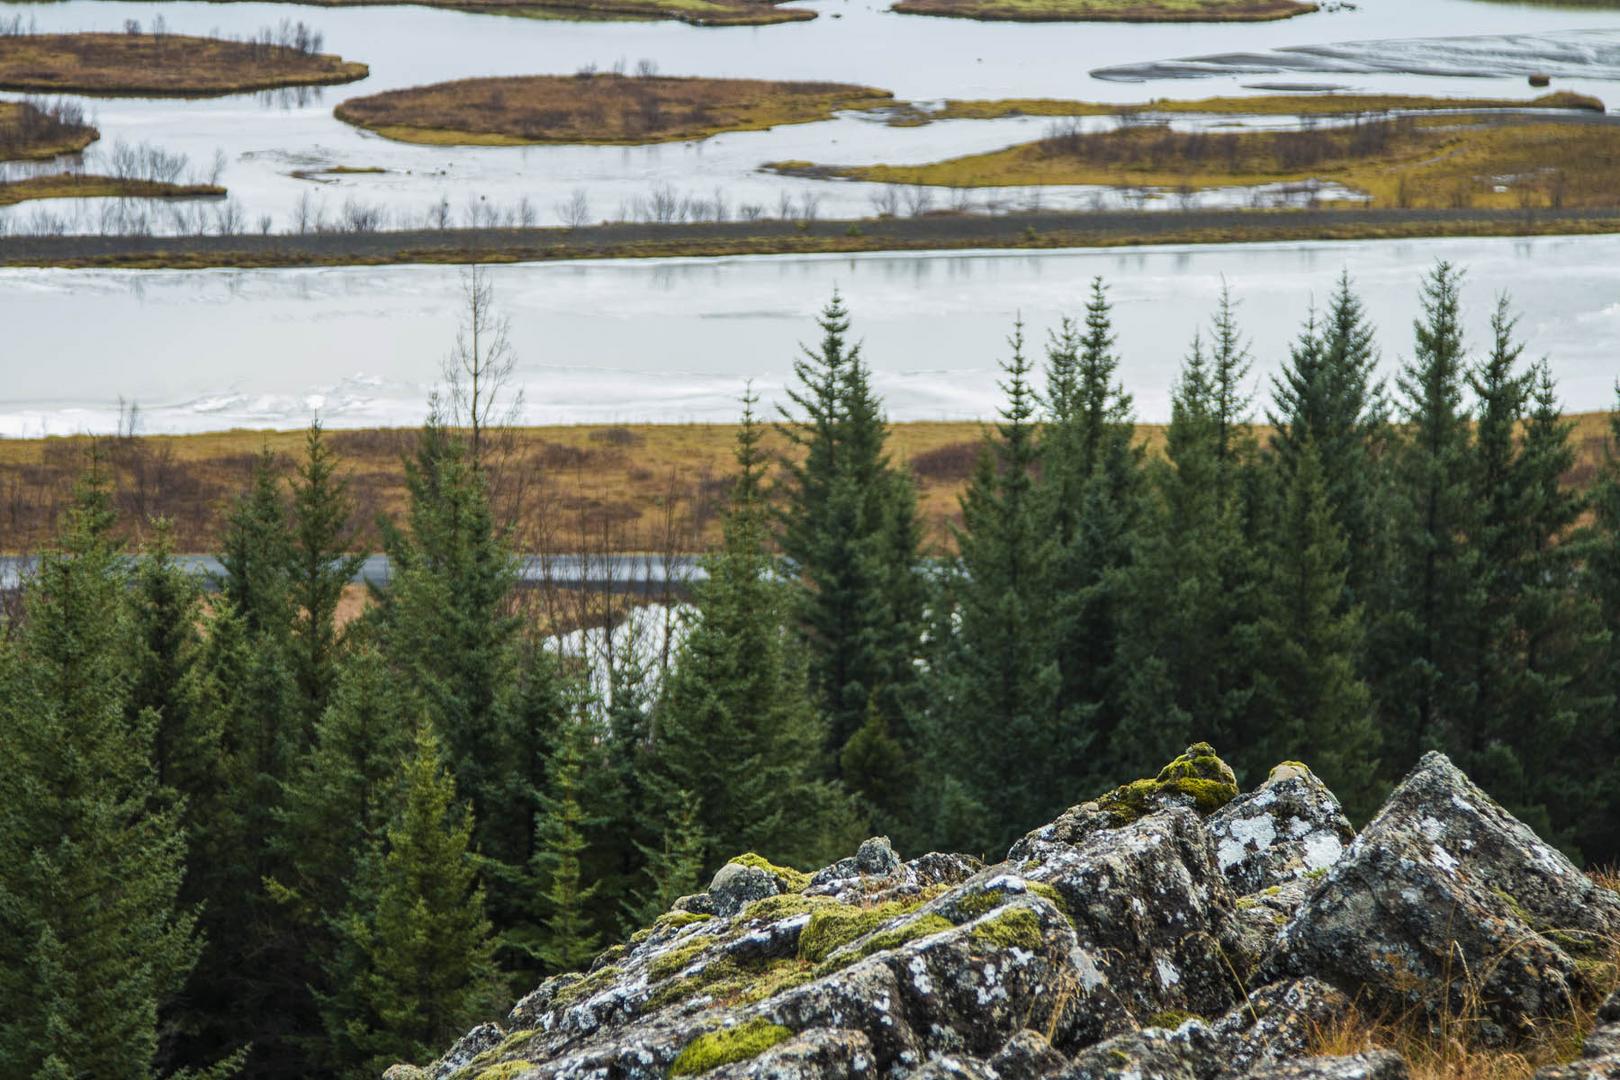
(1026,1056)
(403,1072)
(736,885)
(1445,899)
(1198,780)
(1372,1065)
(1155,923)
(1288,829)
(1275,1023)
(480,1039)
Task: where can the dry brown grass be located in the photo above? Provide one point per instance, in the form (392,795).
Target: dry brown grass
(1498,162)
(612,109)
(88,186)
(31,133)
(594,486)
(1109,10)
(161,65)
(695,12)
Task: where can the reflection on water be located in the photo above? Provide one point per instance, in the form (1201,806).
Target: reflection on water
(675,340)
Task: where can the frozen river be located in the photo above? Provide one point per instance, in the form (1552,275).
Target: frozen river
(675,340)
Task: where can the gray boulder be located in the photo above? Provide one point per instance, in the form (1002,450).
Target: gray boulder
(735,886)
(1446,902)
(1373,1065)
(1288,829)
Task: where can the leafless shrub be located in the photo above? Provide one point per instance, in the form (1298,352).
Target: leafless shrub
(576,211)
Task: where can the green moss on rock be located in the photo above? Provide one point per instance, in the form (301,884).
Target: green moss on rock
(787,878)
(591,984)
(506,1070)
(1171,1018)
(785,906)
(920,927)
(1015,928)
(678,959)
(1198,773)
(834,926)
(728,1045)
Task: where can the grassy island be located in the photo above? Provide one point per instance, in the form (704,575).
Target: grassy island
(1501,161)
(1108,10)
(162,65)
(1258,105)
(596,108)
(31,132)
(84,186)
(694,12)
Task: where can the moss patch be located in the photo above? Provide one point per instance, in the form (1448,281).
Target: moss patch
(506,1070)
(1171,1018)
(785,906)
(831,928)
(920,927)
(1015,928)
(678,959)
(728,1045)
(583,988)
(1198,772)
(789,879)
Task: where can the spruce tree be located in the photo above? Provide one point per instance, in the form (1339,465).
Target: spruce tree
(322,561)
(1328,396)
(93,941)
(257,554)
(569,941)
(1314,704)
(849,530)
(446,626)
(337,804)
(672,867)
(414,969)
(997,677)
(734,725)
(1598,578)
(1091,491)
(1424,674)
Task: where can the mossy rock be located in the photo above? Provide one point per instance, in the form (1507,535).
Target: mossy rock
(672,920)
(832,927)
(591,984)
(1197,773)
(785,906)
(1171,1018)
(1015,928)
(787,878)
(678,959)
(920,927)
(506,1070)
(727,1046)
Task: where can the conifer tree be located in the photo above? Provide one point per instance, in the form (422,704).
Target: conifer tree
(1424,671)
(997,676)
(1314,704)
(672,868)
(93,941)
(849,530)
(734,725)
(321,564)
(445,624)
(257,555)
(1091,481)
(415,969)
(1328,396)
(569,941)
(1598,578)
(337,803)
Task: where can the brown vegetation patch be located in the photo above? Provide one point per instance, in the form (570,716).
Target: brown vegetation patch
(36,131)
(162,65)
(69,185)
(1109,10)
(589,108)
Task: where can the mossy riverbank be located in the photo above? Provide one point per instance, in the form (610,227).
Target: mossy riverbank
(162,65)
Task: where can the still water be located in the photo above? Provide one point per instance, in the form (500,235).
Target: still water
(676,340)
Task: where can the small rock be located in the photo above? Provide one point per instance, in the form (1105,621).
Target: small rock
(475,1042)
(403,1072)
(735,886)
(1289,827)
(1606,1068)
(1373,1065)
(877,857)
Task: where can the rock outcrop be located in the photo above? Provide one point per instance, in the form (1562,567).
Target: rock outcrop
(1171,929)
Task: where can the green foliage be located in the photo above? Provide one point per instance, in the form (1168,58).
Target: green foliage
(716,1048)
(414,969)
(321,562)
(93,942)
(849,530)
(569,942)
(736,727)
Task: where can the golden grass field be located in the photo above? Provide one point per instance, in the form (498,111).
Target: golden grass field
(596,108)
(88,186)
(1109,10)
(28,133)
(161,65)
(1500,161)
(626,488)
